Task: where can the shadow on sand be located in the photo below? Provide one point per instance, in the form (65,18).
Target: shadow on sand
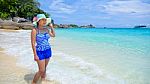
(29,77)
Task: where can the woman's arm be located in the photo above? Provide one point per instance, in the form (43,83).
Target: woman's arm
(33,40)
(51,30)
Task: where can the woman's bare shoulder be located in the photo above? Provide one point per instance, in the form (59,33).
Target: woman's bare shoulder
(33,30)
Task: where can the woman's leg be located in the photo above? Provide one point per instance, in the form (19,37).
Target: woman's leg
(41,65)
(46,63)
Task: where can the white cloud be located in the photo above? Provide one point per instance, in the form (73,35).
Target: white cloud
(58,6)
(123,6)
(133,7)
(87,5)
(60,16)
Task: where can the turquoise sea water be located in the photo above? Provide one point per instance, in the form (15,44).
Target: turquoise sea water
(88,56)
(121,52)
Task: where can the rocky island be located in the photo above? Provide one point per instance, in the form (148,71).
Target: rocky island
(72,26)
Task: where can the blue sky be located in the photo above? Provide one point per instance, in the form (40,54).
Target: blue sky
(101,13)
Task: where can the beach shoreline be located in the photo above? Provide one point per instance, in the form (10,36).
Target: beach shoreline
(10,73)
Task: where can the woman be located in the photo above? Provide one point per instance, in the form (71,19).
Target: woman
(40,45)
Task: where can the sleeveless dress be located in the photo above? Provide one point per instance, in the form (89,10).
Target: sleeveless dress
(43,48)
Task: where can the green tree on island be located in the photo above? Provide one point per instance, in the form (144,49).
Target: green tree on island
(21,8)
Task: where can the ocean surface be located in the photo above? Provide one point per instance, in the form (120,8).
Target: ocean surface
(88,55)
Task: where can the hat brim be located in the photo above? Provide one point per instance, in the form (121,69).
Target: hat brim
(40,19)
(48,21)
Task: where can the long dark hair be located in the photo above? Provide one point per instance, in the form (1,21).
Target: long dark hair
(37,24)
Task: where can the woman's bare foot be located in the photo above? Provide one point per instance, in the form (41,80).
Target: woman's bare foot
(43,77)
(33,83)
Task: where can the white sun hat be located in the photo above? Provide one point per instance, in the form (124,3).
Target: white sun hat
(39,17)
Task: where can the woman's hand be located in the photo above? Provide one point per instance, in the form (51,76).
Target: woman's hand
(51,30)
(36,58)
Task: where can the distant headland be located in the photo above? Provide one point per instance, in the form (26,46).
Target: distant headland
(20,23)
(73,26)
(140,26)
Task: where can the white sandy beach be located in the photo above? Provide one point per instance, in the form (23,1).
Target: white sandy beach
(10,73)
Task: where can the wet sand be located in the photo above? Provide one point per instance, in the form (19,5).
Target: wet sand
(9,72)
